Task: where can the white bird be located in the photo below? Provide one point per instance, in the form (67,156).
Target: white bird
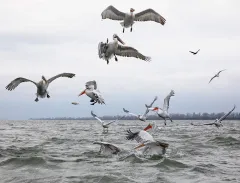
(92,92)
(163,113)
(217,75)
(128,18)
(105,125)
(41,86)
(144,116)
(75,103)
(147,143)
(107,148)
(107,50)
(194,53)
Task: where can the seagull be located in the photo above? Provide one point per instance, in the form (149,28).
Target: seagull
(163,113)
(41,86)
(107,50)
(107,148)
(128,18)
(75,103)
(105,125)
(144,116)
(145,140)
(217,75)
(194,53)
(92,92)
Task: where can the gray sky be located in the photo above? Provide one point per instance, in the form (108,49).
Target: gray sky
(48,37)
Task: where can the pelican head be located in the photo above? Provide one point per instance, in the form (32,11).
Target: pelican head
(83,92)
(115,36)
(132,10)
(148,127)
(156,108)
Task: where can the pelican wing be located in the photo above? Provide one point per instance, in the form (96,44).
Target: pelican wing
(96,117)
(99,97)
(108,147)
(91,84)
(126,111)
(112,13)
(141,136)
(149,15)
(11,86)
(167,99)
(226,115)
(69,75)
(149,106)
(126,51)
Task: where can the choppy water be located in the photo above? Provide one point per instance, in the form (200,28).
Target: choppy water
(62,151)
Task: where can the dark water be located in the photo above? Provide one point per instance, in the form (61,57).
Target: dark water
(62,151)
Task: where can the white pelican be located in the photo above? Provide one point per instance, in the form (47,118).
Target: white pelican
(107,50)
(105,125)
(92,92)
(107,148)
(217,75)
(75,103)
(194,53)
(147,143)
(128,18)
(144,116)
(41,86)
(163,113)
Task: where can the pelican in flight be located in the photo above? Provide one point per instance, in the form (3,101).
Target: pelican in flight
(107,50)
(42,86)
(163,113)
(128,18)
(217,75)
(194,53)
(144,116)
(147,143)
(105,125)
(92,92)
(107,148)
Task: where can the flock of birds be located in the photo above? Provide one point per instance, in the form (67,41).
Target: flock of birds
(146,143)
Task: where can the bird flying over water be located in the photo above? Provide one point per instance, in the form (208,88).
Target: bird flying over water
(92,92)
(217,75)
(194,53)
(129,18)
(107,50)
(42,86)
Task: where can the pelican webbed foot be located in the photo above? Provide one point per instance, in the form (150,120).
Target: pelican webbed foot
(48,96)
(123,30)
(107,61)
(36,100)
(116,58)
(131,29)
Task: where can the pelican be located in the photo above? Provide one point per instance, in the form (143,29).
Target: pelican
(163,113)
(41,86)
(92,92)
(147,143)
(105,125)
(75,103)
(217,75)
(194,53)
(107,50)
(128,18)
(144,116)
(107,148)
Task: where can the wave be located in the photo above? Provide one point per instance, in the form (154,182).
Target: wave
(168,163)
(225,141)
(24,161)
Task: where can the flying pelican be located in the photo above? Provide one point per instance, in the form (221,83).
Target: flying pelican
(105,125)
(41,86)
(75,103)
(92,92)
(107,50)
(128,18)
(217,75)
(163,113)
(144,116)
(194,53)
(149,144)
(107,148)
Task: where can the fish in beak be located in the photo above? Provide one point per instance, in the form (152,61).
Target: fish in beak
(118,38)
(148,127)
(83,92)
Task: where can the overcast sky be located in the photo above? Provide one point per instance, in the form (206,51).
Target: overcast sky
(48,37)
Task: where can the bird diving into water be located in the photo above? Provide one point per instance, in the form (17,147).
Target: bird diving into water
(107,50)
(129,18)
(215,76)
(194,53)
(42,86)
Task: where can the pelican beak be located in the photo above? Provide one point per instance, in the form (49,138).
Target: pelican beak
(141,145)
(148,127)
(118,38)
(132,10)
(83,92)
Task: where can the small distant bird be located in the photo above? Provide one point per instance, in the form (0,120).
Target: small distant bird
(128,18)
(92,92)
(75,103)
(217,75)
(107,148)
(163,113)
(194,53)
(41,86)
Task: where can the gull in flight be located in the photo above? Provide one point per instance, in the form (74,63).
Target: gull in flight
(194,53)
(107,50)
(129,18)
(42,86)
(163,113)
(92,92)
(217,75)
(105,125)
(144,116)
(107,148)
(75,103)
